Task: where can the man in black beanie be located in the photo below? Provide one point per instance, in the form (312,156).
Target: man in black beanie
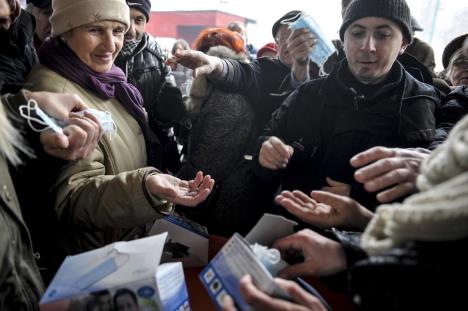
(142,61)
(368,100)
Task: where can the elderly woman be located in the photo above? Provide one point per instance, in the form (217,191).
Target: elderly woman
(114,193)
(456,62)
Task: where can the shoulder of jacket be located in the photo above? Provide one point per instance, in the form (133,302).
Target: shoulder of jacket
(45,79)
(153,46)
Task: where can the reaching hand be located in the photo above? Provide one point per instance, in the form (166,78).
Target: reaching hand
(393,168)
(258,300)
(199,62)
(325,210)
(274,154)
(300,44)
(82,133)
(322,256)
(173,189)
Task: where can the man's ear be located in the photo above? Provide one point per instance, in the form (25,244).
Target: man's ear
(403,48)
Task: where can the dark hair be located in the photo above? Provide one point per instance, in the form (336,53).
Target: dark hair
(219,36)
(182,43)
(123,292)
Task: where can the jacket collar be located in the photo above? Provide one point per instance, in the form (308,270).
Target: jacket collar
(341,80)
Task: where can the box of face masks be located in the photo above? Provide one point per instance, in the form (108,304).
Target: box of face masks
(119,276)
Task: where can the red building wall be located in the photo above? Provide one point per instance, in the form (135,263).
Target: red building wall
(177,24)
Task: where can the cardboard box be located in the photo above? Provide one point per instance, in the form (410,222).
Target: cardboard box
(117,274)
(187,241)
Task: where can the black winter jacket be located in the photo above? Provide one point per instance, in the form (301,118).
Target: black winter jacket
(265,82)
(327,122)
(454,107)
(146,69)
(415,275)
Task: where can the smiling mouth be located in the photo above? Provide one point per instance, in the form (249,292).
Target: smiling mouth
(104,59)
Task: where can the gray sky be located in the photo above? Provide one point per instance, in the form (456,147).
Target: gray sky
(451,18)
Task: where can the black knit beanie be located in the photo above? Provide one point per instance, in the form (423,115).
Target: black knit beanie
(290,16)
(395,10)
(451,48)
(141,5)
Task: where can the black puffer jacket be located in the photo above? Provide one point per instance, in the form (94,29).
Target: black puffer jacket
(146,69)
(327,122)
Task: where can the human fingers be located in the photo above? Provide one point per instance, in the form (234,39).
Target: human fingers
(371,155)
(228,304)
(396,192)
(269,156)
(393,177)
(258,300)
(54,143)
(299,295)
(92,130)
(380,167)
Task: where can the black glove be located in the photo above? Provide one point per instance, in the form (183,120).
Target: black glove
(170,107)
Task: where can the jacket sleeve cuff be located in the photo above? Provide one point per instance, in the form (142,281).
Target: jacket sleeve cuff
(161,206)
(351,242)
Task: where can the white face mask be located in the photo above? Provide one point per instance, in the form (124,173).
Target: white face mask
(42,118)
(105,119)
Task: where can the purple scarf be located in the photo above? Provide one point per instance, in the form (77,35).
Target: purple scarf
(58,57)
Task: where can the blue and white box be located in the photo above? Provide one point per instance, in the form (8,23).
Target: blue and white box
(122,273)
(223,273)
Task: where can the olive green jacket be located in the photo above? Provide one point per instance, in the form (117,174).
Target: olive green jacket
(20,282)
(102,198)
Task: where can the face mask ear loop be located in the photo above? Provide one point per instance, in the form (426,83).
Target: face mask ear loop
(31,106)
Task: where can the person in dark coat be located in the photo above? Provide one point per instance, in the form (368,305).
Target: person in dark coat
(408,252)
(142,61)
(265,82)
(17,54)
(420,49)
(222,134)
(41,10)
(368,100)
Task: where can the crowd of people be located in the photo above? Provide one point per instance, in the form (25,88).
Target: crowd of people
(367,151)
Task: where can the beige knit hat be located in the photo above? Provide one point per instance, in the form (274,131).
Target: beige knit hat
(69,14)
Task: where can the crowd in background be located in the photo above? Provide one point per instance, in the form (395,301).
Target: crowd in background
(366,151)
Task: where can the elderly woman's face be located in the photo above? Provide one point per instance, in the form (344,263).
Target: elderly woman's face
(458,73)
(97,44)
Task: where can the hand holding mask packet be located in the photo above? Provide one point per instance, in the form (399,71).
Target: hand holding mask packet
(324,47)
(270,258)
(36,116)
(104,117)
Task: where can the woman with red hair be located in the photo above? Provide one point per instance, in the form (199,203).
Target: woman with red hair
(211,37)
